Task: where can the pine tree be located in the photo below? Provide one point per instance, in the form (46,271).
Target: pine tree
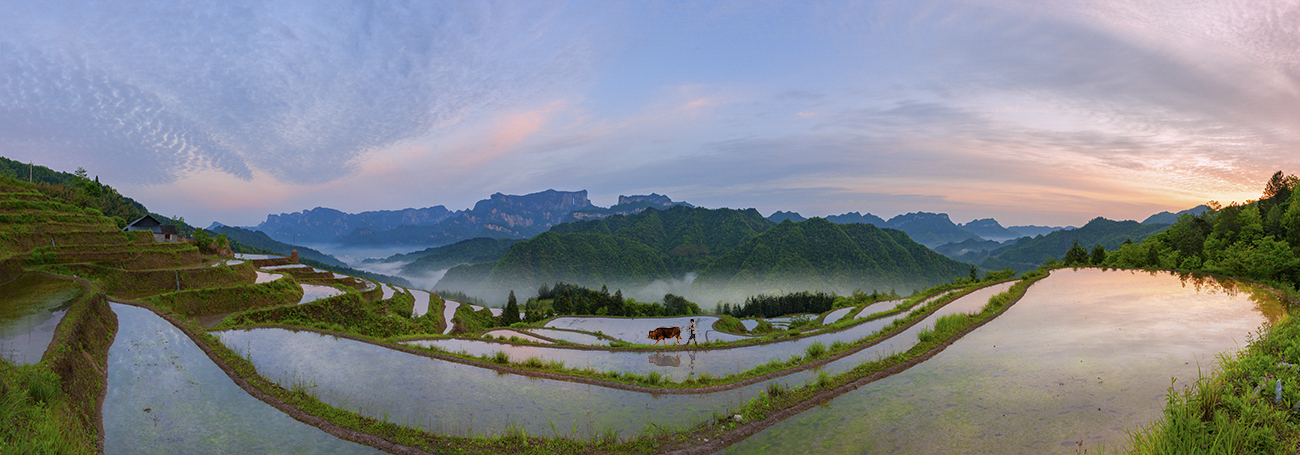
(1098,255)
(511,313)
(1076,255)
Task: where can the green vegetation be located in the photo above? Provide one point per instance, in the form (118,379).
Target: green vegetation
(472,251)
(77,189)
(779,397)
(51,406)
(818,254)
(265,244)
(569,299)
(194,302)
(728,323)
(1030,252)
(771,306)
(1248,406)
(686,237)
(346,313)
(589,259)
(1257,241)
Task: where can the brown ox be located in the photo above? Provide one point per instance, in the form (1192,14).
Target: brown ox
(664,333)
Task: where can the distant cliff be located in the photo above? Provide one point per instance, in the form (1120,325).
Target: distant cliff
(500,216)
(627,205)
(323,224)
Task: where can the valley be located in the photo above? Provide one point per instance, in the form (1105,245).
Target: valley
(118,342)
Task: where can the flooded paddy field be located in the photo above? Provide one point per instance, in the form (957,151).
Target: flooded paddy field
(166,396)
(1085,355)
(456,399)
(421,302)
(33,306)
(685,364)
(314,292)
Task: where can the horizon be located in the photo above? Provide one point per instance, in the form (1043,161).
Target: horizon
(1026,113)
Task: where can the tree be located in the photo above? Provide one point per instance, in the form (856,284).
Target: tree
(1098,255)
(1280,185)
(203,241)
(510,314)
(1076,255)
(1153,256)
(562,305)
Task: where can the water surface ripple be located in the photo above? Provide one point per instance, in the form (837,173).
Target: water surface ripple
(1085,355)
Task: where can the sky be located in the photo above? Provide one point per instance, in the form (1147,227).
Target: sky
(1030,112)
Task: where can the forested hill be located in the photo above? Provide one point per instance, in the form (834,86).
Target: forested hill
(78,188)
(472,251)
(817,254)
(1030,252)
(261,241)
(688,237)
(586,259)
(1259,240)
(621,251)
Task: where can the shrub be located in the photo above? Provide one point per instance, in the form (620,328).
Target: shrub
(823,379)
(501,357)
(815,350)
(776,389)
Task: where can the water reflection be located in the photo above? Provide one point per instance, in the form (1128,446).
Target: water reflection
(33,305)
(457,399)
(720,362)
(165,396)
(666,360)
(313,292)
(1083,356)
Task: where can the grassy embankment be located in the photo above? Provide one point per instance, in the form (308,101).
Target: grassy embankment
(1249,404)
(652,439)
(779,402)
(53,406)
(347,315)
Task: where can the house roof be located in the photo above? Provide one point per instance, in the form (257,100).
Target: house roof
(169,229)
(144,222)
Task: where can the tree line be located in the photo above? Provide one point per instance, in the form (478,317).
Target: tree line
(1257,240)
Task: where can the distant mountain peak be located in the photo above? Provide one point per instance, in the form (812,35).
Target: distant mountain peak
(779,216)
(652,198)
(1170,218)
(989,228)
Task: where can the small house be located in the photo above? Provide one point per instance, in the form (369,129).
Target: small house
(161,232)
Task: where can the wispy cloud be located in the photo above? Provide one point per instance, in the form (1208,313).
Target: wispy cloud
(1044,113)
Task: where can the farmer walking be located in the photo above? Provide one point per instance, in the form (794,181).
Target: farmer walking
(692,338)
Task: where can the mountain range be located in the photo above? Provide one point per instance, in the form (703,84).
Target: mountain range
(735,252)
(499,216)
(520,241)
(931,229)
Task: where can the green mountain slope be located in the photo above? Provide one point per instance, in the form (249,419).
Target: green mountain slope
(820,255)
(259,239)
(584,259)
(689,237)
(1030,252)
(472,251)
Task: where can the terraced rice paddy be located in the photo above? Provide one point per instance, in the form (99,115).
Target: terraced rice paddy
(33,306)
(313,292)
(1085,355)
(166,396)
